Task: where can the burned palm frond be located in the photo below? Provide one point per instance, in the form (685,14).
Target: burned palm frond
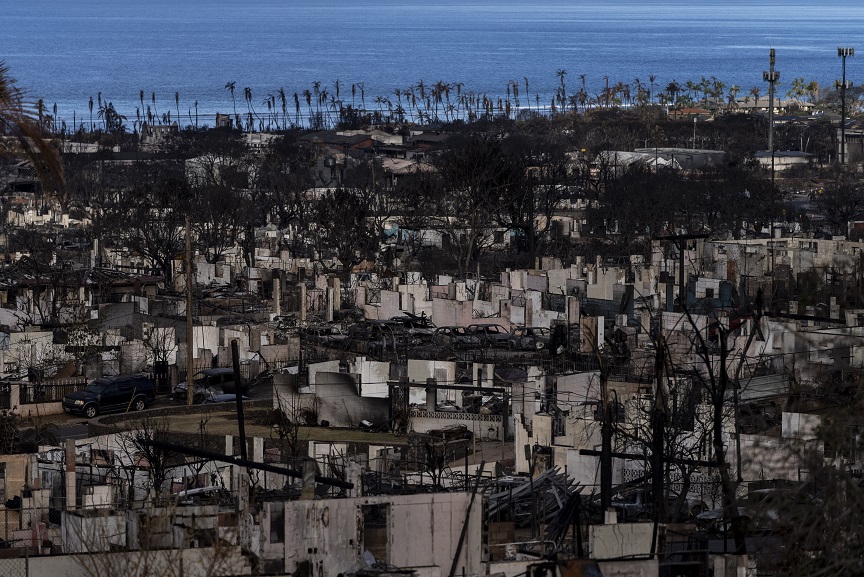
(23,135)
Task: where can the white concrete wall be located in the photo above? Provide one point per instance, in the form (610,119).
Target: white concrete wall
(801,426)
(764,457)
(422,531)
(420,370)
(482,427)
(604,282)
(452,313)
(205,562)
(372,377)
(325,367)
(207,337)
(619,540)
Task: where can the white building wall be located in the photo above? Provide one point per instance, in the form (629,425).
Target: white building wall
(444,372)
(422,531)
(372,377)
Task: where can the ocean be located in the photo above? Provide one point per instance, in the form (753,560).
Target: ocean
(182,51)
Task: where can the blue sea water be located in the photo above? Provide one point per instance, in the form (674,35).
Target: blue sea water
(66,52)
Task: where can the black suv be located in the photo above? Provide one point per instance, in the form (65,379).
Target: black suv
(107,394)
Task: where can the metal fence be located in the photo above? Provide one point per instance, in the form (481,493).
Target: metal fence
(686,554)
(15,562)
(50,391)
(5,396)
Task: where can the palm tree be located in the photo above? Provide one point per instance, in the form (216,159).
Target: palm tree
(40,112)
(798,89)
(561,93)
(247,93)
(673,88)
(812,90)
(230,86)
(268,102)
(16,119)
(362,88)
(717,88)
(733,94)
(177,105)
(755,92)
(91,113)
(153,98)
(651,79)
(284,102)
(307,96)
(691,87)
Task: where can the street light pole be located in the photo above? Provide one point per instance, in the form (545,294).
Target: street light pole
(771,77)
(843,53)
(694,132)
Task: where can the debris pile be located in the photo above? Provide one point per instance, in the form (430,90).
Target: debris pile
(523,500)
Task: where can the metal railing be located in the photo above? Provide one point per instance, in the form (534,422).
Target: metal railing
(50,391)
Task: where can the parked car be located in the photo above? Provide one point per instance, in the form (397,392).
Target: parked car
(209,382)
(491,335)
(419,327)
(212,495)
(321,335)
(222,398)
(482,404)
(455,338)
(777,510)
(390,335)
(111,394)
(529,339)
(637,504)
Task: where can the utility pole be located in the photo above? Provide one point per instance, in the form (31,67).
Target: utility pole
(238,397)
(843,53)
(190,338)
(771,77)
(606,440)
(658,440)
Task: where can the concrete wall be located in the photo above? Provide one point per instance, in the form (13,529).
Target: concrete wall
(801,425)
(339,404)
(525,397)
(444,372)
(451,312)
(539,433)
(372,377)
(205,562)
(421,531)
(764,457)
(325,367)
(486,427)
(604,282)
(618,540)
(207,337)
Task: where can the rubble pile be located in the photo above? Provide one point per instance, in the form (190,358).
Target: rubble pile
(524,500)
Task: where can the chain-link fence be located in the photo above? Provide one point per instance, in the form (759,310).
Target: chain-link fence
(15,562)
